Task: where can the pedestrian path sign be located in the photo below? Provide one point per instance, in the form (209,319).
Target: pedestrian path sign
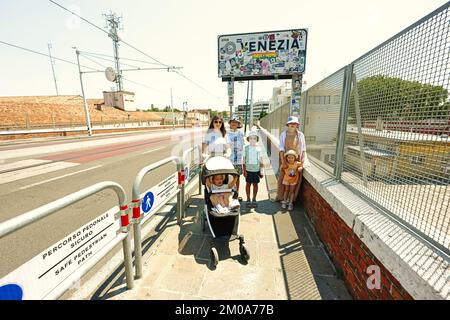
(147,202)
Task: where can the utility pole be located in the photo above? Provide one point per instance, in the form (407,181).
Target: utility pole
(113,22)
(86,109)
(52,63)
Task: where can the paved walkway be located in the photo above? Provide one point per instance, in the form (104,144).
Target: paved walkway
(287,259)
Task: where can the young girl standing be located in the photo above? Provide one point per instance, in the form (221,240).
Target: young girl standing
(292,169)
(253,167)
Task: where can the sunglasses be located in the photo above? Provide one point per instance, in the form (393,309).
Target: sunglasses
(217,121)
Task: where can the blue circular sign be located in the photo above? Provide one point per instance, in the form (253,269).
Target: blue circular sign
(147,202)
(11,292)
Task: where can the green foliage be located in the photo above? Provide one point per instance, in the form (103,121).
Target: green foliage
(398,99)
(262,114)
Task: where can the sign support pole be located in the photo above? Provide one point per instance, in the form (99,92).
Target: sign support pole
(296,91)
(231,96)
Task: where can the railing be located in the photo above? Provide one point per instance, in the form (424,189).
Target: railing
(356,124)
(154,199)
(51,288)
(137,196)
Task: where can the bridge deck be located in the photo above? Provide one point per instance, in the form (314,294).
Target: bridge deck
(287,259)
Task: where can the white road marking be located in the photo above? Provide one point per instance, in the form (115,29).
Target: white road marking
(152,150)
(60,177)
(34,171)
(20,164)
(33,151)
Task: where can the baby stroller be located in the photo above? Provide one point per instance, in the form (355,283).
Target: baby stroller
(223,227)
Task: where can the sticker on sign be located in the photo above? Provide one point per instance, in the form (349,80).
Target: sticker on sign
(38,277)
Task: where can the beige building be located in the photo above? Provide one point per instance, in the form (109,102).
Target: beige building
(121,99)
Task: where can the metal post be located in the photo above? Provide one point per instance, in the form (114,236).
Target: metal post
(251,108)
(181,214)
(52,63)
(343,117)
(126,244)
(296,91)
(246,106)
(137,217)
(86,109)
(360,135)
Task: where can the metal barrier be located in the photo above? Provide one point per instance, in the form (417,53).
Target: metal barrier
(187,174)
(386,133)
(46,210)
(139,219)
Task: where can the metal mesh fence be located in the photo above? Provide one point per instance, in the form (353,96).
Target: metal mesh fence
(394,133)
(397,149)
(321,108)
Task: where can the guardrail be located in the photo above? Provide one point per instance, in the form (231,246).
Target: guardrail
(151,201)
(187,173)
(54,287)
(137,196)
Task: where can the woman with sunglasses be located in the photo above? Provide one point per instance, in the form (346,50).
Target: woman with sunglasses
(216,142)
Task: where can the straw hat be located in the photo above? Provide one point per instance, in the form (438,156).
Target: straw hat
(290,153)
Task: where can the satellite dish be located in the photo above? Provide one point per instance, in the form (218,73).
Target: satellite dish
(110,74)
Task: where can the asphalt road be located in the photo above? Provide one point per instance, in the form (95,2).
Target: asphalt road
(48,170)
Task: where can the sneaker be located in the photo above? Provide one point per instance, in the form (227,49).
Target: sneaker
(249,204)
(283,204)
(290,207)
(254,204)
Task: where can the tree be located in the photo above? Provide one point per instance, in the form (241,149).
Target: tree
(262,114)
(398,99)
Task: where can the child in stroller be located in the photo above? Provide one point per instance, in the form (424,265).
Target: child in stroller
(220,197)
(217,172)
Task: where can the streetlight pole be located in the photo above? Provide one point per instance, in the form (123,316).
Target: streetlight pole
(85,105)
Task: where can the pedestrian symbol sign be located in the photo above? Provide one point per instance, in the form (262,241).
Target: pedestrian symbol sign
(147,202)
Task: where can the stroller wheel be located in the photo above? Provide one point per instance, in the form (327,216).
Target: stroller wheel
(245,254)
(214,255)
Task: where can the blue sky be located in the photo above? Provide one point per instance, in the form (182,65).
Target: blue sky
(184,33)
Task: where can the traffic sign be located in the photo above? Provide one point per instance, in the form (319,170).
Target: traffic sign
(147,202)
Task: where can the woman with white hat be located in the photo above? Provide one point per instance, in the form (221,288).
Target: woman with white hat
(291,139)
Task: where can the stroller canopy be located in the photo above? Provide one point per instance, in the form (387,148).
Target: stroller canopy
(218,165)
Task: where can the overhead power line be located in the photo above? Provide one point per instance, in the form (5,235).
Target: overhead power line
(142,84)
(133,47)
(43,54)
(84,54)
(85,20)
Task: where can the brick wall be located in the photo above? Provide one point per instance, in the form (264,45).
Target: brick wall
(348,253)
